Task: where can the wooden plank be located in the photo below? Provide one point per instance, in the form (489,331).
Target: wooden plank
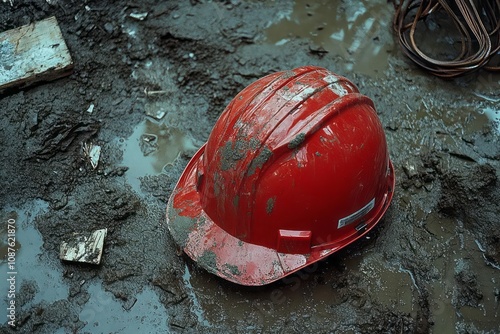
(32,53)
(84,248)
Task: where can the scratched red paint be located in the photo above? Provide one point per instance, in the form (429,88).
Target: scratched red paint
(299,151)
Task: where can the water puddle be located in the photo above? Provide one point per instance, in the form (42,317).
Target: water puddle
(251,308)
(494,116)
(151,147)
(104,313)
(359,32)
(309,291)
(461,255)
(31,264)
(196,309)
(439,126)
(391,287)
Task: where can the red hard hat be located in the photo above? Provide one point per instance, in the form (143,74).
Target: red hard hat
(296,168)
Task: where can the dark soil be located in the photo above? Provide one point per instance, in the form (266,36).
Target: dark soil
(432,265)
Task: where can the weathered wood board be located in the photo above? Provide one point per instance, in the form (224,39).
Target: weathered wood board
(84,248)
(31,53)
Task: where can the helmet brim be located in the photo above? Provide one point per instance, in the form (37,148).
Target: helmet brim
(228,257)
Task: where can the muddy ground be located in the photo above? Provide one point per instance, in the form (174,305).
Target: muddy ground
(432,264)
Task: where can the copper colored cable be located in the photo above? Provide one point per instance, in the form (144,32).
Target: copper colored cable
(476,21)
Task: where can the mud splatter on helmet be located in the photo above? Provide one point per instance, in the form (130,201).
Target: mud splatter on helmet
(296,168)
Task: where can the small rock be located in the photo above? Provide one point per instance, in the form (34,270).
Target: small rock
(409,169)
(109,28)
(393,125)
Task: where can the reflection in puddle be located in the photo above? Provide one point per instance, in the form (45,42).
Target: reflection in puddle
(349,30)
(494,116)
(104,314)
(31,262)
(151,147)
(196,309)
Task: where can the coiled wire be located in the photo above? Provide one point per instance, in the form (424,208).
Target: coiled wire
(478,25)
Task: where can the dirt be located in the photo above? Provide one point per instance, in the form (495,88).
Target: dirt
(295,142)
(431,266)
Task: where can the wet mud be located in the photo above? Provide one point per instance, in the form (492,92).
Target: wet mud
(148,92)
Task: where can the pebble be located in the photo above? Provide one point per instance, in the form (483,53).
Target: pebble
(109,28)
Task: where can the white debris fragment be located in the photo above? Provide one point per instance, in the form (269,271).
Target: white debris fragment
(84,248)
(91,108)
(410,169)
(486,97)
(155,92)
(481,248)
(157,114)
(95,153)
(92,152)
(139,16)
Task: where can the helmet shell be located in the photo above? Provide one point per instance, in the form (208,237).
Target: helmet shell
(296,168)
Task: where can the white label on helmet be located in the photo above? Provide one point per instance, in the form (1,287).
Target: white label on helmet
(356,215)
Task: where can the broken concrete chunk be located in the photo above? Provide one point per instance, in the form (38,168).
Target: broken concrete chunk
(31,53)
(84,248)
(409,169)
